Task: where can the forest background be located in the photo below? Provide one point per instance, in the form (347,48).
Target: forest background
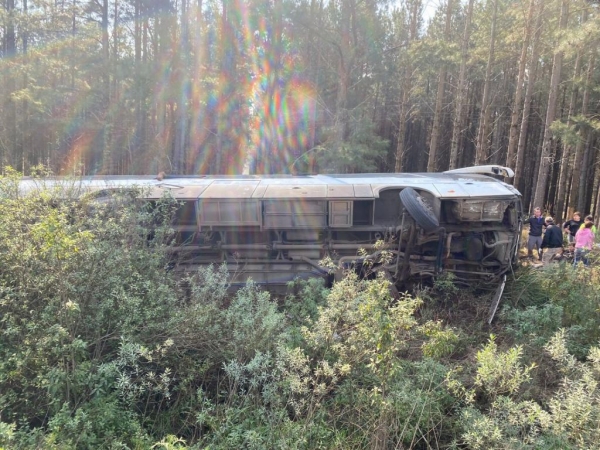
(260,86)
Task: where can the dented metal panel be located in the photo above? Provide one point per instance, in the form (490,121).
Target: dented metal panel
(259,192)
(485,170)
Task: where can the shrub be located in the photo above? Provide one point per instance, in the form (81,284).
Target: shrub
(500,373)
(442,342)
(569,419)
(562,290)
(74,279)
(533,325)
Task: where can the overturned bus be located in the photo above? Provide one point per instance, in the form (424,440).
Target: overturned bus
(412,227)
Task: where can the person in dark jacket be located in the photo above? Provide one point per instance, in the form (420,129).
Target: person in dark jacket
(572,226)
(536,224)
(552,243)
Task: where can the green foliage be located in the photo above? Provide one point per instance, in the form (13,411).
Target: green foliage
(304,300)
(570,133)
(363,151)
(500,373)
(575,408)
(362,323)
(568,420)
(506,425)
(445,284)
(7,434)
(442,342)
(171,442)
(344,383)
(401,410)
(101,422)
(526,290)
(73,281)
(557,297)
(386,401)
(301,305)
(94,326)
(533,325)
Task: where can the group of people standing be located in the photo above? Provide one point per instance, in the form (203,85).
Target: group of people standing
(547,237)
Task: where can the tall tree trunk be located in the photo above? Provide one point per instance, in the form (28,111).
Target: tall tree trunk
(181,116)
(166,103)
(108,122)
(591,168)
(457,123)
(73,62)
(597,206)
(344,64)
(104,24)
(439,100)
(277,160)
(197,129)
(10,49)
(583,173)
(10,44)
(226,67)
(27,156)
(581,149)
(533,67)
(596,185)
(546,156)
(566,164)
(314,77)
(534,174)
(406,89)
(483,131)
(500,125)
(138,37)
(116,31)
(514,118)
(117,130)
(532,151)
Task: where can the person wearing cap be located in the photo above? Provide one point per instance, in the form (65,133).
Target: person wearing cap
(552,243)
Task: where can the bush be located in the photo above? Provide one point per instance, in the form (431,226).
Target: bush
(76,277)
(569,418)
(557,291)
(533,325)
(441,343)
(346,383)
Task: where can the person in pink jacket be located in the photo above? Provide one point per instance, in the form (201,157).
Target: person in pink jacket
(584,241)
